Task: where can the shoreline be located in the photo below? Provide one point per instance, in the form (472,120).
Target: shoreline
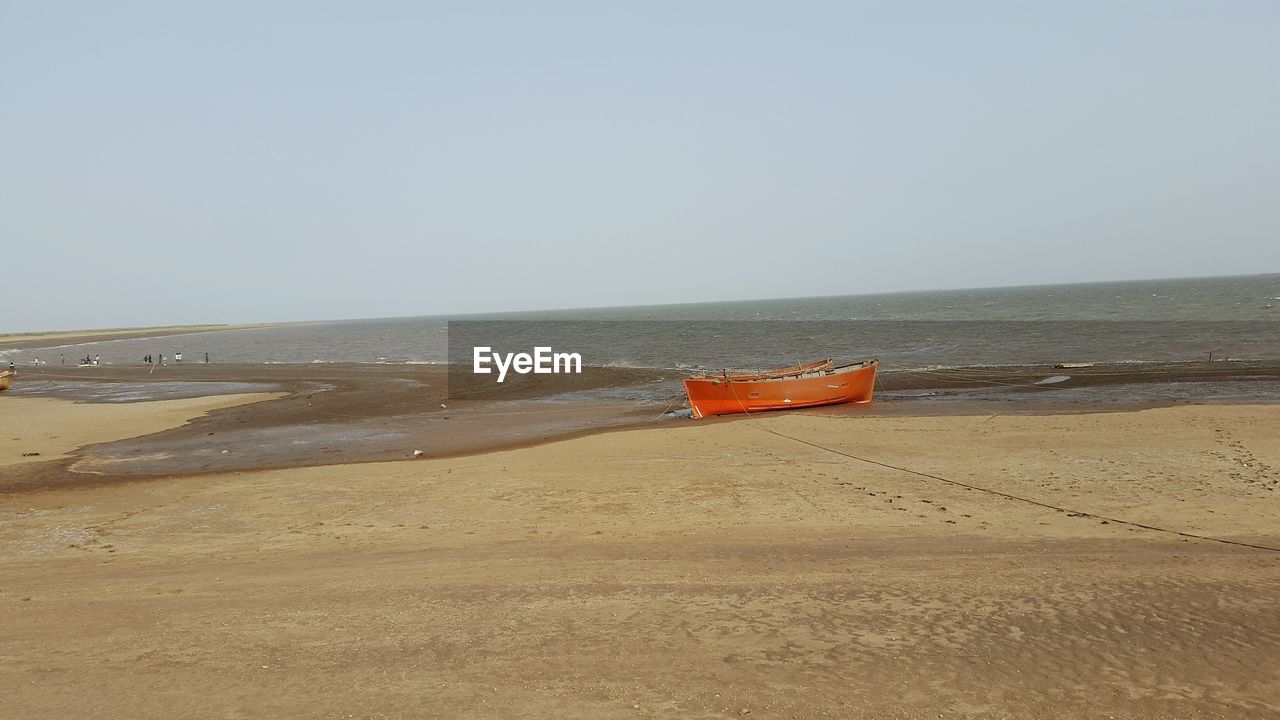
(327,414)
(55,339)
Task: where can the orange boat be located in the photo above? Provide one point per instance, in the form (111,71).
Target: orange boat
(809,385)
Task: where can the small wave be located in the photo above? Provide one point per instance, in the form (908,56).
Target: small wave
(1053,380)
(982,366)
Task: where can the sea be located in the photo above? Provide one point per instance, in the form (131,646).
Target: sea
(920,338)
(1137,321)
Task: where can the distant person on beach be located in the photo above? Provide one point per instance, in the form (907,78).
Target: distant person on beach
(206,358)
(12,367)
(177,357)
(62,358)
(161,359)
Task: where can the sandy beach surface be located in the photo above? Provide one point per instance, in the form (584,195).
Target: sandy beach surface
(35,430)
(689,570)
(70,337)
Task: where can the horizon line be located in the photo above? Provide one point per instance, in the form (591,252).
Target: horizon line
(579,308)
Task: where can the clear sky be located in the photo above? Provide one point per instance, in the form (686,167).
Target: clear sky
(172,162)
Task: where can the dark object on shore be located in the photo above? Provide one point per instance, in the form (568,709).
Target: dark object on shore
(1069,365)
(31,454)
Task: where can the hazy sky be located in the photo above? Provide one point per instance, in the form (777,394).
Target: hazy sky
(171,162)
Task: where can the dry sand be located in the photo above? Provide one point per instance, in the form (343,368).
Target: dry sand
(704,570)
(71,337)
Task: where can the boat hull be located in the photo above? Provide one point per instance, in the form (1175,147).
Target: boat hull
(6,380)
(727,395)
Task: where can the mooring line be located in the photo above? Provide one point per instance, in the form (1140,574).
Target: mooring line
(999,493)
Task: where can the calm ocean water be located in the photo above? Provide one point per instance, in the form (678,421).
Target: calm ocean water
(1159,320)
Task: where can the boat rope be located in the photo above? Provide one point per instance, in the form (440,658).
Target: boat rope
(1002,494)
(674,401)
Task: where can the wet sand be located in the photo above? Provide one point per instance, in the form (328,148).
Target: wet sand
(698,570)
(38,430)
(347,413)
(325,414)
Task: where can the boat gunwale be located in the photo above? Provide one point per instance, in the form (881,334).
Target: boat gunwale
(809,367)
(803,375)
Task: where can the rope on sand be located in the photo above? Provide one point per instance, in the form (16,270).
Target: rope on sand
(675,400)
(998,493)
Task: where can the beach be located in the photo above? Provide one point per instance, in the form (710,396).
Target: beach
(78,337)
(693,362)
(681,569)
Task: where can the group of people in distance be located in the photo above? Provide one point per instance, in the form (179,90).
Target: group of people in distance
(159,359)
(97,360)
